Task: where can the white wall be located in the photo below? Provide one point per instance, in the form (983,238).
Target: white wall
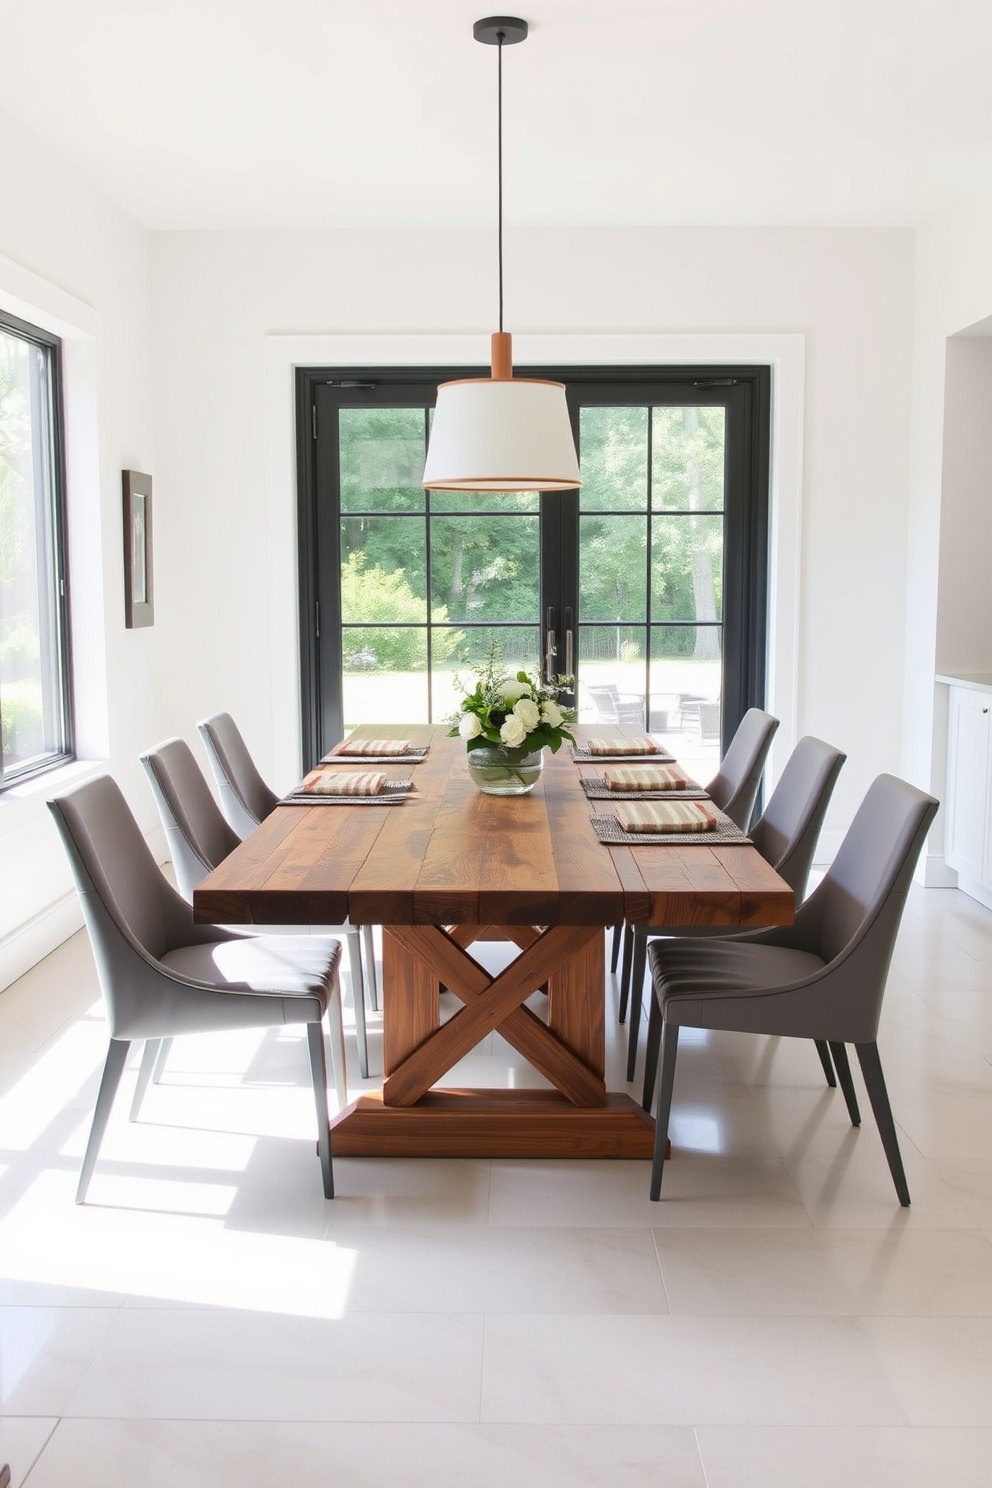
(953,293)
(224,533)
(69,260)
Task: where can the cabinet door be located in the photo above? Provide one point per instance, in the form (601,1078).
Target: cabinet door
(968,783)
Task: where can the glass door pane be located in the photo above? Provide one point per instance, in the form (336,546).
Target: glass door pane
(651,560)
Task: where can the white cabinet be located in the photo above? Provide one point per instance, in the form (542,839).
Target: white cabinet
(967,828)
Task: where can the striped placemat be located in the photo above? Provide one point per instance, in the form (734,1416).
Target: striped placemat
(610,832)
(583,757)
(597,790)
(393,793)
(411,756)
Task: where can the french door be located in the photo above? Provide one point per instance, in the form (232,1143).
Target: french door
(648,585)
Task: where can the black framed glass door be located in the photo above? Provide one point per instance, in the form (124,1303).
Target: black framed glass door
(649,583)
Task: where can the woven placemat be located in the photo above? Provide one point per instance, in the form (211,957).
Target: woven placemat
(411,756)
(597,790)
(393,793)
(609,830)
(583,757)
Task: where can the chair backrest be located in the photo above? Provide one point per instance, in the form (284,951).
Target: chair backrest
(865,888)
(789,828)
(734,788)
(132,911)
(198,836)
(245,798)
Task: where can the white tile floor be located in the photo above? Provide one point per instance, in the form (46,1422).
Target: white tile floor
(777,1320)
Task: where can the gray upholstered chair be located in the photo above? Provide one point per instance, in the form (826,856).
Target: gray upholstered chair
(246,800)
(734,789)
(199,838)
(162,975)
(822,977)
(786,835)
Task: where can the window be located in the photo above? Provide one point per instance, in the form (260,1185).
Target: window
(648,585)
(35,728)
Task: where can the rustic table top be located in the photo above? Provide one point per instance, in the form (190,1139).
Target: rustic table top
(452,855)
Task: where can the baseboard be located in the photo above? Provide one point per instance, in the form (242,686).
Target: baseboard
(30,942)
(38,937)
(975,890)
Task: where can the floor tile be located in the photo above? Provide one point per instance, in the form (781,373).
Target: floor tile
(855,1456)
(219,1454)
(46,1353)
(22,1438)
(201,1365)
(827,1273)
(681,1370)
(940,1369)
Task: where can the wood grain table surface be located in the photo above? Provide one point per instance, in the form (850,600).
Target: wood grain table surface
(451,866)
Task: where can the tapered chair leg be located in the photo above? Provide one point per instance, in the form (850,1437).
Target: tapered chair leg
(111,1078)
(615,950)
(335,1038)
(651,1053)
(669,1054)
(871,1068)
(318,1071)
(636,995)
(628,951)
(165,1049)
(358,998)
(149,1060)
(828,1068)
(843,1068)
(369,939)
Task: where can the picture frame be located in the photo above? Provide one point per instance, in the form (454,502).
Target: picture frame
(137,511)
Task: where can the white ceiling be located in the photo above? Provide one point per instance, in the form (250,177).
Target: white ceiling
(320,113)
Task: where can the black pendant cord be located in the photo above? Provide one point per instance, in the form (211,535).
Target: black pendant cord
(499,164)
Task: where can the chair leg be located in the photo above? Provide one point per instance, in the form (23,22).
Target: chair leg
(628,951)
(824,1052)
(164,1050)
(335,1038)
(112,1071)
(669,1053)
(651,1053)
(358,998)
(839,1052)
(318,1071)
(149,1060)
(636,995)
(871,1068)
(370,966)
(615,950)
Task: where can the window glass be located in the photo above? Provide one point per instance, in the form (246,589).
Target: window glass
(34,686)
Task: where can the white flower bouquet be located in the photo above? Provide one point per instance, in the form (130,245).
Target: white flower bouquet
(516,712)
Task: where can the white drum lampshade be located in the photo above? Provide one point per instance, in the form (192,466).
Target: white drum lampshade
(491,435)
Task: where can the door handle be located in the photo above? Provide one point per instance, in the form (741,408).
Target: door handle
(569,645)
(550,649)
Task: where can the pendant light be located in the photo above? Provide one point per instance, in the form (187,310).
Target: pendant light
(501,433)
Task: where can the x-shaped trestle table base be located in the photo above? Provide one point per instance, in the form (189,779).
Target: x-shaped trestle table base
(414,1118)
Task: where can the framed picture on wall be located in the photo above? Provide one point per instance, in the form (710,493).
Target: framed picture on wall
(138,608)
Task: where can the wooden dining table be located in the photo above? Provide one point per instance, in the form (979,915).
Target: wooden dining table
(451,866)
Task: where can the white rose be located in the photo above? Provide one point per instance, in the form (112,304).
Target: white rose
(513,731)
(551,713)
(528,713)
(510,691)
(469,726)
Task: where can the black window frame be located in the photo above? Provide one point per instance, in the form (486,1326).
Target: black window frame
(59,686)
(745,603)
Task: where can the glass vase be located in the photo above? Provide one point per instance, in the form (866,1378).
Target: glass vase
(499,770)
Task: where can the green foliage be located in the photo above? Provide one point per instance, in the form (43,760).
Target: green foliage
(371,594)
(22,721)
